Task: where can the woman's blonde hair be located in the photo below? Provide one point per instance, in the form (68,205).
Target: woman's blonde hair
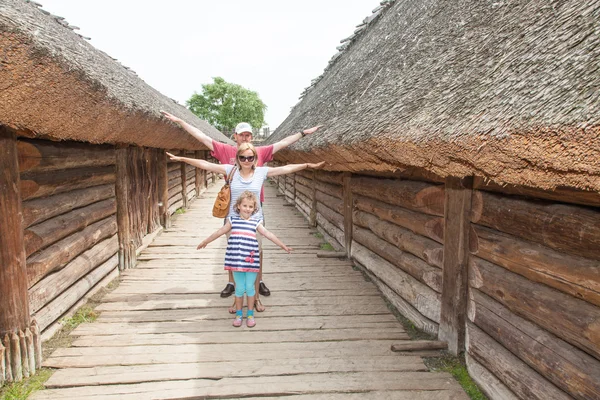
(246,195)
(243,147)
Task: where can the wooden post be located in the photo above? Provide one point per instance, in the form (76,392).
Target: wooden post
(163,191)
(200,180)
(183,181)
(127,255)
(457,208)
(313,206)
(14,300)
(347,178)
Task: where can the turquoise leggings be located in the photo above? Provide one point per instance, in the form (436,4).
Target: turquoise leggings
(244,283)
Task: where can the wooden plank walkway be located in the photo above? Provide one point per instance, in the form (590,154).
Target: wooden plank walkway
(165,333)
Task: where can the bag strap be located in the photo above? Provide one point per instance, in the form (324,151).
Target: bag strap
(228,179)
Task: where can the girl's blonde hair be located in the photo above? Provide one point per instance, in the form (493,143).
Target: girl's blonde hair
(243,147)
(246,195)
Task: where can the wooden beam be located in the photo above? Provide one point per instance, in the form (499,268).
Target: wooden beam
(418,345)
(457,209)
(184,180)
(348,208)
(313,197)
(163,191)
(127,258)
(13,273)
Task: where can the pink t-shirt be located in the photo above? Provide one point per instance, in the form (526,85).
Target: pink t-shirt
(226,153)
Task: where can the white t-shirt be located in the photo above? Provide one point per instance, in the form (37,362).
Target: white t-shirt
(239,185)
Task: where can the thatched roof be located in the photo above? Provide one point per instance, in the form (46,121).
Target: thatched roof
(55,84)
(507,90)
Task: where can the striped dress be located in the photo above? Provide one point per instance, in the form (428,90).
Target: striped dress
(242,247)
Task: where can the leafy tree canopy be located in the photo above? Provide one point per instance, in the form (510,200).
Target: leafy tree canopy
(225,104)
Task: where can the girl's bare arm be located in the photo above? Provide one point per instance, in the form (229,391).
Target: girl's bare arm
(271,236)
(223,230)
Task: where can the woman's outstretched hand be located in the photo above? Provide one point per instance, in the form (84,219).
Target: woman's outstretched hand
(173,157)
(309,165)
(311,130)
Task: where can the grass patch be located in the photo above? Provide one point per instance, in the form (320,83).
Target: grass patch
(22,390)
(180,211)
(455,366)
(326,246)
(84,314)
(318,235)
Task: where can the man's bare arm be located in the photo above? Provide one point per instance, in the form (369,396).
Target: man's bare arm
(195,132)
(283,143)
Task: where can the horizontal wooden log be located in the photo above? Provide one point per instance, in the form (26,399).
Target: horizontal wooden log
(567,367)
(305,180)
(571,319)
(420,296)
(570,229)
(57,307)
(35,185)
(174,166)
(174,174)
(489,384)
(418,345)
(302,206)
(174,191)
(174,184)
(175,206)
(408,311)
(561,194)
(54,284)
(331,254)
(39,210)
(335,218)
(514,373)
(577,276)
(413,195)
(307,174)
(56,256)
(43,155)
(289,195)
(48,232)
(305,190)
(409,263)
(177,196)
(421,224)
(331,202)
(333,231)
(335,178)
(305,200)
(426,249)
(329,189)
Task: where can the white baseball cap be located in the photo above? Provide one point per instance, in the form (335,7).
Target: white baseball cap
(243,127)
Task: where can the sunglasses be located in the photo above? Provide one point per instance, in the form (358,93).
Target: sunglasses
(244,158)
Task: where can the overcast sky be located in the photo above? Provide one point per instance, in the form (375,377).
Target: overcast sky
(273,47)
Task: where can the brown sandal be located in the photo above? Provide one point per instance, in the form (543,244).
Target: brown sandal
(258,306)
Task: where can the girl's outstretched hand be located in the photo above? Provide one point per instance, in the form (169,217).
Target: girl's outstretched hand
(173,157)
(287,249)
(201,246)
(309,165)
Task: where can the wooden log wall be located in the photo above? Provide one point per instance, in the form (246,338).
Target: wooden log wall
(534,286)
(511,278)
(70,225)
(175,194)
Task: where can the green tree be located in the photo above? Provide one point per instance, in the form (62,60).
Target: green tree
(225,104)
